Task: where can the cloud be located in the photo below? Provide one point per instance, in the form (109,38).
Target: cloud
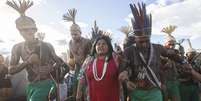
(168,2)
(4,51)
(39,2)
(183,13)
(1,41)
(55,37)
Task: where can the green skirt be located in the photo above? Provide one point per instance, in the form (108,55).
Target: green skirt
(153,94)
(173,90)
(189,92)
(39,91)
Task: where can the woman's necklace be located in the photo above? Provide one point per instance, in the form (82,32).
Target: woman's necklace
(95,70)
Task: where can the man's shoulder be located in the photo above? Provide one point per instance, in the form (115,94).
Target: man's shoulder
(18,45)
(86,40)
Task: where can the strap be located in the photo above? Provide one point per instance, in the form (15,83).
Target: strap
(155,81)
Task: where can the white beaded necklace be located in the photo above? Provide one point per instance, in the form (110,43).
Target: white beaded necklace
(95,70)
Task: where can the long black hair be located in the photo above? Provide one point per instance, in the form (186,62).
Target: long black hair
(108,41)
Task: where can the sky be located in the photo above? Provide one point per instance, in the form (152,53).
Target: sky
(110,16)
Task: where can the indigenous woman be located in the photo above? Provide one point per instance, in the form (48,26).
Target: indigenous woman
(101,72)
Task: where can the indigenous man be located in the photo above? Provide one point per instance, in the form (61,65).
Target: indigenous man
(189,88)
(38,58)
(142,60)
(79,46)
(170,68)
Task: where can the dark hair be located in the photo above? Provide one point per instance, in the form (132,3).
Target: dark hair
(108,41)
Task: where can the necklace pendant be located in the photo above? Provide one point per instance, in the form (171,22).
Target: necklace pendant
(95,73)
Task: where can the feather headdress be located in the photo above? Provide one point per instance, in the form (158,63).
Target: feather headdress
(141,21)
(70,17)
(21,7)
(168,31)
(126,30)
(190,49)
(96,32)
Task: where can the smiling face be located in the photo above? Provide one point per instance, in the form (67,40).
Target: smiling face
(101,47)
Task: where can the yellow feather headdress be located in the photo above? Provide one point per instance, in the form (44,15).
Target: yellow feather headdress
(168,31)
(126,30)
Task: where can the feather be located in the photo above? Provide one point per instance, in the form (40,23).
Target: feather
(95,31)
(141,22)
(126,30)
(189,43)
(20,7)
(105,33)
(70,15)
(169,29)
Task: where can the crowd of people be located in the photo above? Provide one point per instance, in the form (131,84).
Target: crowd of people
(97,70)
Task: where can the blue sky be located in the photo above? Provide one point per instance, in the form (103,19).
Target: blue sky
(110,16)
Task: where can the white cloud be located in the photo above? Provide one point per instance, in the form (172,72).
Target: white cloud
(186,15)
(168,2)
(39,2)
(183,13)
(52,35)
